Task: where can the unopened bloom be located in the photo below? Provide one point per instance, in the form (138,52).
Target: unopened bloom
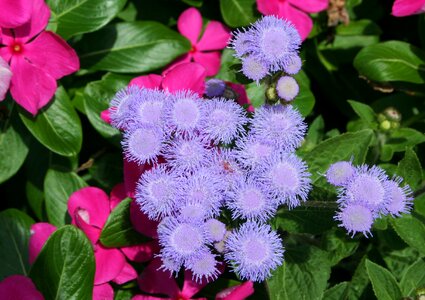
(402,8)
(214,88)
(287,88)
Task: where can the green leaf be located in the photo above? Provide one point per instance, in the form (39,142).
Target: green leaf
(338,246)
(58,186)
(413,278)
(314,135)
(410,169)
(399,140)
(118,230)
(411,230)
(107,170)
(57,126)
(14,235)
(132,47)
(73,17)
(337,292)
(303,275)
(238,13)
(359,281)
(384,284)
(65,267)
(197,3)
(305,100)
(397,260)
(364,111)
(392,61)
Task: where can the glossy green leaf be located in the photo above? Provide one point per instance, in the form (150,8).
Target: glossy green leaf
(14,235)
(238,13)
(65,267)
(392,61)
(410,169)
(337,245)
(132,47)
(73,17)
(411,230)
(359,281)
(58,186)
(314,134)
(364,111)
(305,100)
(118,230)
(57,126)
(384,284)
(413,278)
(399,140)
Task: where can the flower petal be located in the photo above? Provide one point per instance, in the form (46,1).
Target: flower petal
(142,223)
(40,232)
(103,292)
(117,195)
(268,7)
(92,232)
(106,116)
(109,264)
(147,297)
(19,287)
(155,281)
(237,292)
(185,58)
(31,87)
(209,60)
(52,54)
(14,13)
(39,18)
(127,274)
(190,76)
(5,77)
(301,20)
(132,172)
(310,6)
(243,99)
(191,287)
(189,24)
(402,8)
(215,37)
(94,201)
(141,253)
(147,81)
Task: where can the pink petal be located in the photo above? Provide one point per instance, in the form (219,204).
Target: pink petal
(402,8)
(39,18)
(147,81)
(94,201)
(142,223)
(5,77)
(215,37)
(92,232)
(186,58)
(189,76)
(30,87)
(5,52)
(156,281)
(103,292)
(132,172)
(127,274)
(191,287)
(268,7)
(109,264)
(117,195)
(141,253)
(105,116)
(243,99)
(40,232)
(209,60)
(189,24)
(301,20)
(238,292)
(19,287)
(147,297)
(14,13)
(52,54)
(310,6)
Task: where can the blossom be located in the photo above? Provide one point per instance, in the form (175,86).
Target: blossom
(203,266)
(340,173)
(37,58)
(401,198)
(19,287)
(356,218)
(252,152)
(204,50)
(214,88)
(214,230)
(15,13)
(254,68)
(295,11)
(402,8)
(287,88)
(5,76)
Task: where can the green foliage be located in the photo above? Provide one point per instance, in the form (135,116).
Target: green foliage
(383,282)
(237,13)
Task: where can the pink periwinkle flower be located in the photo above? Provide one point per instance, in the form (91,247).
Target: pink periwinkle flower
(295,11)
(19,287)
(403,8)
(205,49)
(14,13)
(37,58)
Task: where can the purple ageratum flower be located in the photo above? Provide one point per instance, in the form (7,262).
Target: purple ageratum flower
(254,68)
(143,144)
(180,240)
(281,125)
(225,163)
(340,173)
(293,64)
(214,88)
(224,121)
(252,152)
(356,218)
(250,200)
(401,198)
(253,251)
(214,230)
(275,42)
(287,179)
(169,264)
(241,42)
(287,88)
(119,107)
(203,266)
(185,113)
(156,192)
(149,109)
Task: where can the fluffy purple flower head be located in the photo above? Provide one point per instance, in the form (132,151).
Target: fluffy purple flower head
(149,109)
(293,64)
(241,42)
(253,251)
(356,218)
(281,125)
(143,144)
(340,173)
(180,240)
(119,108)
(203,266)
(287,88)
(214,230)
(254,69)
(169,264)
(224,121)
(252,152)
(156,192)
(287,179)
(225,163)
(401,198)
(214,88)
(250,200)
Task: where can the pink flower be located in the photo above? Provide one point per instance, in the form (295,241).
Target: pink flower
(402,8)
(19,287)
(205,50)
(15,13)
(5,75)
(36,57)
(295,11)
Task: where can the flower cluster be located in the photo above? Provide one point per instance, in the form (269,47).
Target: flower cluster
(366,193)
